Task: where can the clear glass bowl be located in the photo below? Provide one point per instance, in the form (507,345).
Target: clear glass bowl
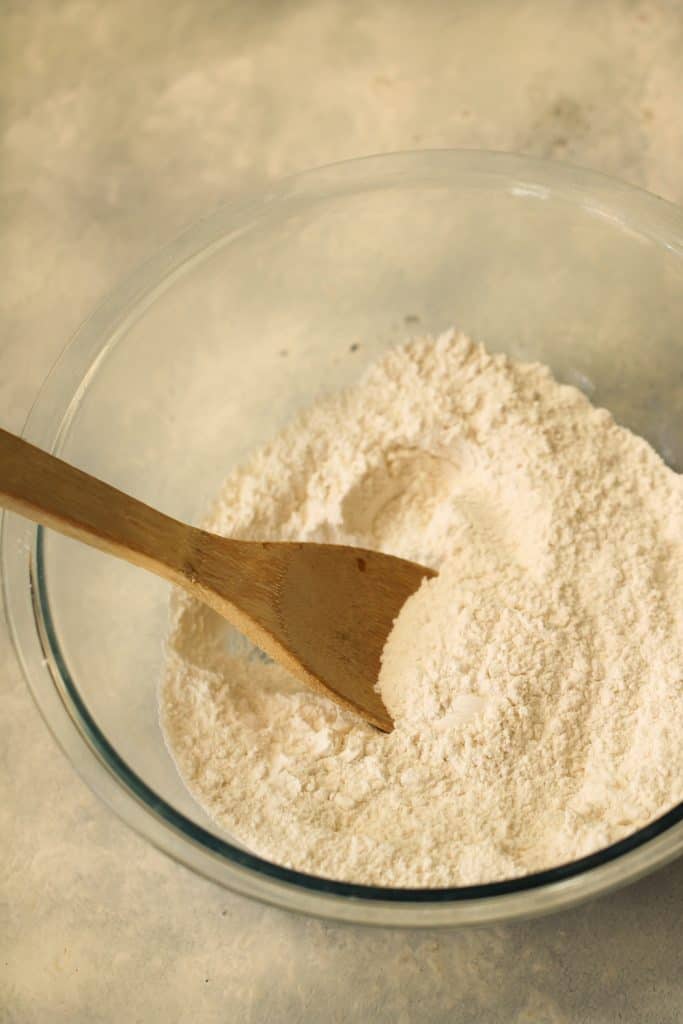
(252,314)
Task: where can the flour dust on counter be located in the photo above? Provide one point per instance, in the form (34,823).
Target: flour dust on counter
(535,683)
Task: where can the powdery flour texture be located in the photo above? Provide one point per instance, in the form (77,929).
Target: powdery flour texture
(536,683)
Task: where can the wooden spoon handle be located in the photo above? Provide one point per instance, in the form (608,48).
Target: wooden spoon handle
(55,494)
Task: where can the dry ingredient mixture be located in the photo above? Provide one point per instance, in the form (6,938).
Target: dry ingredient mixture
(536,684)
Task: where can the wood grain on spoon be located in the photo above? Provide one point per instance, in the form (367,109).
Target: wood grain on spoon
(322,610)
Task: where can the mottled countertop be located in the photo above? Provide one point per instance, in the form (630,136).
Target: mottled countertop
(122,122)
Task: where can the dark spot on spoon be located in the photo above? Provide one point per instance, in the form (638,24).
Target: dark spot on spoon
(361,564)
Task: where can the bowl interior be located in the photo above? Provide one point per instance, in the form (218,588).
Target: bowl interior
(293,298)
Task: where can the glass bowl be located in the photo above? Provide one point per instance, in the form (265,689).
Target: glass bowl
(253,313)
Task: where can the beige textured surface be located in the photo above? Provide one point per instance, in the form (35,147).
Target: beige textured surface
(123,121)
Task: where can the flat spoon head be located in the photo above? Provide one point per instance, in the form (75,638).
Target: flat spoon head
(322,610)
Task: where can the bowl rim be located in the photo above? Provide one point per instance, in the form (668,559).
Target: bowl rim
(29,617)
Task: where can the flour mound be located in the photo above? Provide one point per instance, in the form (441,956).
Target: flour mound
(536,683)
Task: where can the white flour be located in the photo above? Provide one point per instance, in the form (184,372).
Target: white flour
(536,683)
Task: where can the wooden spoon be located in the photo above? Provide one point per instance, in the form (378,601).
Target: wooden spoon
(322,610)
